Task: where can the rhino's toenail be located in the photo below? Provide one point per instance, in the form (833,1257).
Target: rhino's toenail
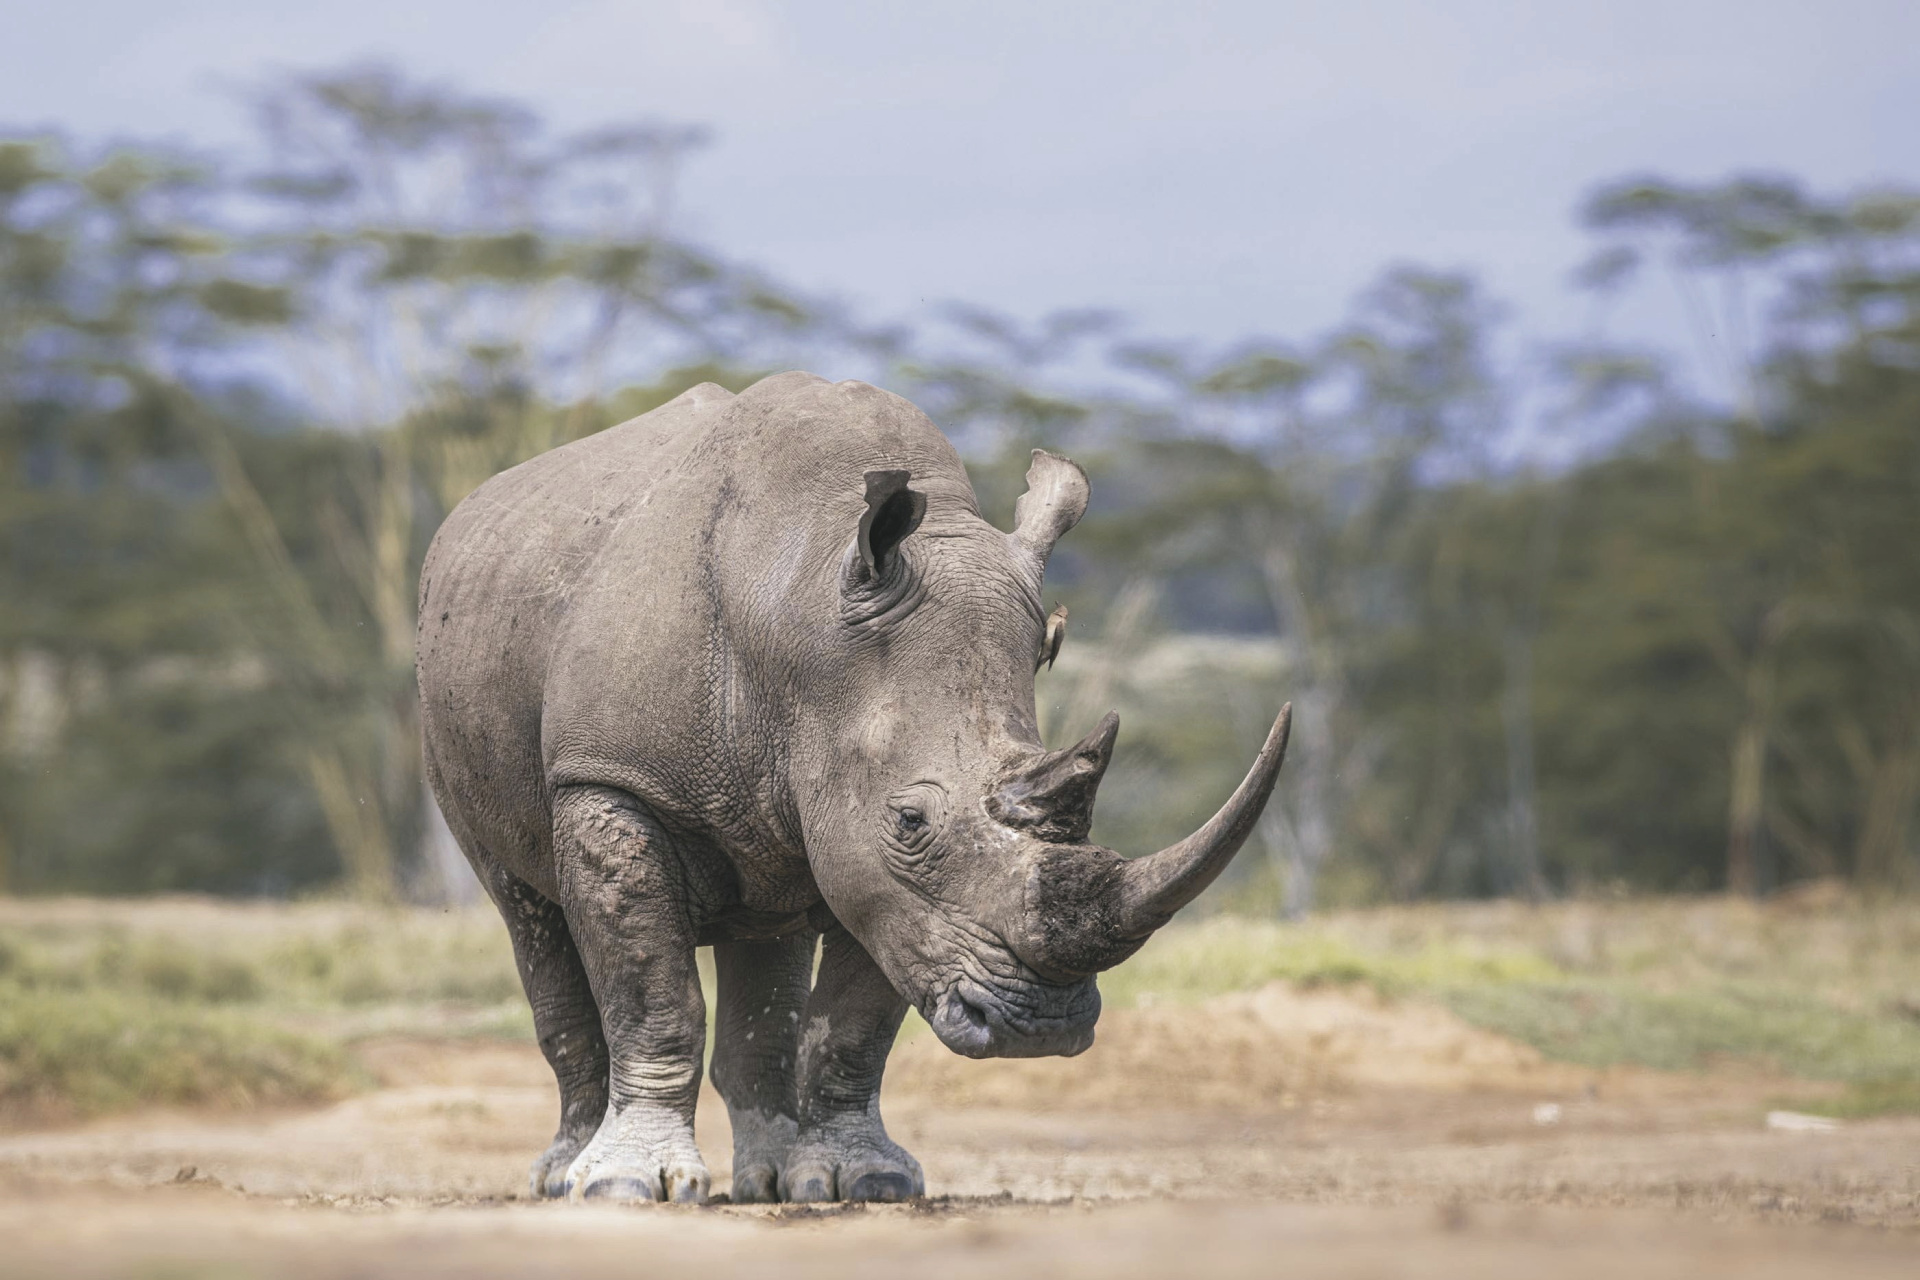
(808,1190)
(887,1187)
(618,1189)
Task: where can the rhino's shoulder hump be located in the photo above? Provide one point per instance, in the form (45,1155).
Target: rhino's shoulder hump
(796,430)
(627,450)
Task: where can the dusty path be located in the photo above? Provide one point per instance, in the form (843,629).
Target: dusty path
(1264,1134)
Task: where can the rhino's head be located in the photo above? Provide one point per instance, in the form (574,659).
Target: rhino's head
(942,833)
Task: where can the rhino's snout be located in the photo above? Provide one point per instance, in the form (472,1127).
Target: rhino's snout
(1038,1021)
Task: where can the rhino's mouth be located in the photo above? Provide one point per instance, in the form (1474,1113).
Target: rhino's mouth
(1023,1019)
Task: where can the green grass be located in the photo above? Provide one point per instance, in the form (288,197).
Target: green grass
(1601,1024)
(1899,1095)
(1188,962)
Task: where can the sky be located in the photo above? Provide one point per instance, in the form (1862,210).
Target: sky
(1212,170)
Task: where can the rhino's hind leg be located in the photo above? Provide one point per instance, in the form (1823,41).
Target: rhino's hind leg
(842,1151)
(627,907)
(756,1033)
(565,1018)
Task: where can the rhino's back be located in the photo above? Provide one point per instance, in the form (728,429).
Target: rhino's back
(503,573)
(578,613)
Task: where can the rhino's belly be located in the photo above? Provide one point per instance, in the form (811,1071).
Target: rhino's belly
(743,924)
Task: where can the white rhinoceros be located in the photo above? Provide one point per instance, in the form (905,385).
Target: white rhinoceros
(746,671)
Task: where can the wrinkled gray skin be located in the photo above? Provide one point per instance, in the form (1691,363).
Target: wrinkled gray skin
(750,672)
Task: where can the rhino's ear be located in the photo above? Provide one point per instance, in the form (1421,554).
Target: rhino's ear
(1055,499)
(893,511)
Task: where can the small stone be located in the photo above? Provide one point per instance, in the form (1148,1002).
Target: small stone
(1546,1114)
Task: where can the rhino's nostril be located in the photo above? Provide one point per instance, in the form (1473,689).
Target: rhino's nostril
(963,1025)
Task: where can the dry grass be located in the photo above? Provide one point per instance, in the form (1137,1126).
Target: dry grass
(107,1004)
(1816,986)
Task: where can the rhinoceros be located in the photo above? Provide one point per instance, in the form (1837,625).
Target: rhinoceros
(753,672)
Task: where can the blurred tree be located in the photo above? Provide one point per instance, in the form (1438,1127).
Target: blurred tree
(462,281)
(1546,627)
(132,724)
(441,289)
(1334,452)
(1842,277)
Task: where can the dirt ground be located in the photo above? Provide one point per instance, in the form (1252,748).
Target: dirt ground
(1281,1132)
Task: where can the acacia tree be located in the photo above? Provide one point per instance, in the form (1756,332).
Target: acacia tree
(464,290)
(1334,450)
(404,290)
(120,699)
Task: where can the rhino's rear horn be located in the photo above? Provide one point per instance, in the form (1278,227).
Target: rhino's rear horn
(1051,795)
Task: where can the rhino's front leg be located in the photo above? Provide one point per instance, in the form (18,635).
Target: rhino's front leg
(756,1032)
(626,900)
(842,1151)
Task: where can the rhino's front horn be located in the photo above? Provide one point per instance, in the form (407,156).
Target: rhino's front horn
(1154,887)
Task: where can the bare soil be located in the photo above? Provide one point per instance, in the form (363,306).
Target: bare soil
(1302,1132)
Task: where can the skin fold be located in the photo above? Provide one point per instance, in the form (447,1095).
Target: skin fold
(753,672)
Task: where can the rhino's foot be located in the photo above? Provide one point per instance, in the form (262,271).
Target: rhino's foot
(642,1154)
(548,1178)
(761,1142)
(849,1161)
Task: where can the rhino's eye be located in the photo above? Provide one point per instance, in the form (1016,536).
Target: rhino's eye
(913,818)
